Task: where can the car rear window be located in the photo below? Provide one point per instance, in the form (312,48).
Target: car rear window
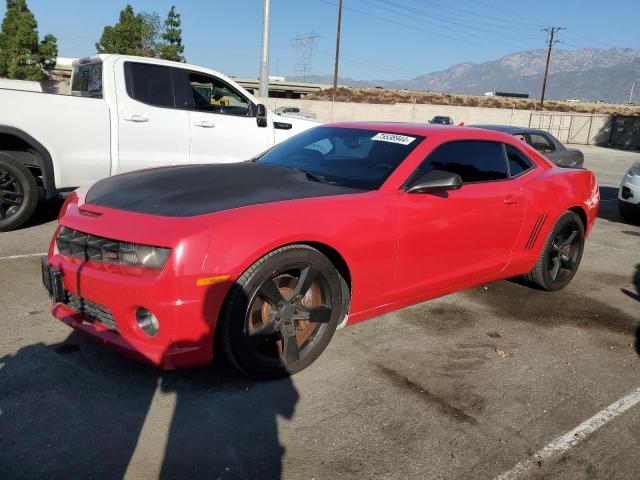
(87,80)
(518,162)
(149,84)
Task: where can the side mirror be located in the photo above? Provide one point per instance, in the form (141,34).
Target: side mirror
(434,181)
(261,115)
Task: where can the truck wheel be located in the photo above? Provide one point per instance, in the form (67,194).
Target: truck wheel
(18,193)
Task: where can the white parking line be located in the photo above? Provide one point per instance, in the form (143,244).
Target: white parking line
(13,257)
(575,436)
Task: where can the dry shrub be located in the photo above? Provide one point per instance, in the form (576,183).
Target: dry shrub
(390,97)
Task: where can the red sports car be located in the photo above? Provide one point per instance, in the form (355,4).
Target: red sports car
(265,259)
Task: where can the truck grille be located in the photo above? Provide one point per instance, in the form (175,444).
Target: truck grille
(73,243)
(91,310)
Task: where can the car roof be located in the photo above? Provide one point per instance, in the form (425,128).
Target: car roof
(426,129)
(511,129)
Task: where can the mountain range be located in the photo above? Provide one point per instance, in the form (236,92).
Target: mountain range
(588,74)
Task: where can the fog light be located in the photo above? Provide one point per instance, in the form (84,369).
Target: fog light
(147,321)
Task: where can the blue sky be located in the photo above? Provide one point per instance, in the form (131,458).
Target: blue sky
(381,39)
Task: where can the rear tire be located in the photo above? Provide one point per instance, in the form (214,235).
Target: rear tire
(561,254)
(262,328)
(18,193)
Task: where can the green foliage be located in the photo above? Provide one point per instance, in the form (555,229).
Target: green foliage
(142,34)
(22,56)
(134,34)
(172,48)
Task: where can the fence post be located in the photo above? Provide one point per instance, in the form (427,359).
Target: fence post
(589,133)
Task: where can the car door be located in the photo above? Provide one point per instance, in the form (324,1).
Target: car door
(222,121)
(448,237)
(152,129)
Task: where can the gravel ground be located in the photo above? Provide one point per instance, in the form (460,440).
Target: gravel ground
(420,393)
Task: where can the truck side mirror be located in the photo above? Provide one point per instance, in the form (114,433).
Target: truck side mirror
(261,115)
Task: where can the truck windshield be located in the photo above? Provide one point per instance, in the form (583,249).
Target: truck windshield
(87,80)
(350,157)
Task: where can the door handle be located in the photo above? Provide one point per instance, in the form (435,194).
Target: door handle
(204,124)
(135,118)
(511,199)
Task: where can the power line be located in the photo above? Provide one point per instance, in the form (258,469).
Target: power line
(412,27)
(449,20)
(481,15)
(551,42)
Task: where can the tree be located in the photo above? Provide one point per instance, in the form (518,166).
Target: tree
(142,34)
(22,56)
(172,48)
(134,34)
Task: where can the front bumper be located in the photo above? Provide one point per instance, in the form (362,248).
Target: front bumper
(629,192)
(187,313)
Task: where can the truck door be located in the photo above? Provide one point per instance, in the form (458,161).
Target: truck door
(152,129)
(222,121)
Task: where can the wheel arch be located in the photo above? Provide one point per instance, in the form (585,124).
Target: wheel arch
(34,155)
(582,214)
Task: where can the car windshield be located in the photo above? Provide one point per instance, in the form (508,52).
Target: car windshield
(349,157)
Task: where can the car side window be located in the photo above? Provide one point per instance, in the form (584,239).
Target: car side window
(518,162)
(541,143)
(473,160)
(210,94)
(149,84)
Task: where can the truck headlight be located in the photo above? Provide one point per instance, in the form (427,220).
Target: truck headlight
(634,170)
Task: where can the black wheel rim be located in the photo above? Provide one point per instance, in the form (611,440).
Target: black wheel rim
(11,194)
(565,253)
(288,314)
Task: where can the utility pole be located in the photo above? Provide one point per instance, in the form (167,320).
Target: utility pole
(263,91)
(551,42)
(335,67)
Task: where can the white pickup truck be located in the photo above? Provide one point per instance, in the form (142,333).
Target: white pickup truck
(125,113)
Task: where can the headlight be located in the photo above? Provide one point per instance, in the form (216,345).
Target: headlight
(143,255)
(635,169)
(74,243)
(152,257)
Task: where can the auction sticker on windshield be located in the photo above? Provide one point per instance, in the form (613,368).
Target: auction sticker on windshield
(393,138)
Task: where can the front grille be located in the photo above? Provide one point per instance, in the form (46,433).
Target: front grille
(91,310)
(73,243)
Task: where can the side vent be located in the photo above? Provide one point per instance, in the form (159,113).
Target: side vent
(536,231)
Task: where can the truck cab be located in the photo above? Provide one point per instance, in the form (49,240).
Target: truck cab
(126,113)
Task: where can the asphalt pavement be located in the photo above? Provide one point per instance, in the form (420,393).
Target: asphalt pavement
(497,381)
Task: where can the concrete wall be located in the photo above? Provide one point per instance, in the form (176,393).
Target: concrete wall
(571,132)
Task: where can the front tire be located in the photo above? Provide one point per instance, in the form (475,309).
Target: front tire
(18,193)
(561,254)
(282,312)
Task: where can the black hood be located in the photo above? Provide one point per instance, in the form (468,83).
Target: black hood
(190,190)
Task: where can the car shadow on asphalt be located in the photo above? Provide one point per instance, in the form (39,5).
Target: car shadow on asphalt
(46,211)
(77,409)
(609,205)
